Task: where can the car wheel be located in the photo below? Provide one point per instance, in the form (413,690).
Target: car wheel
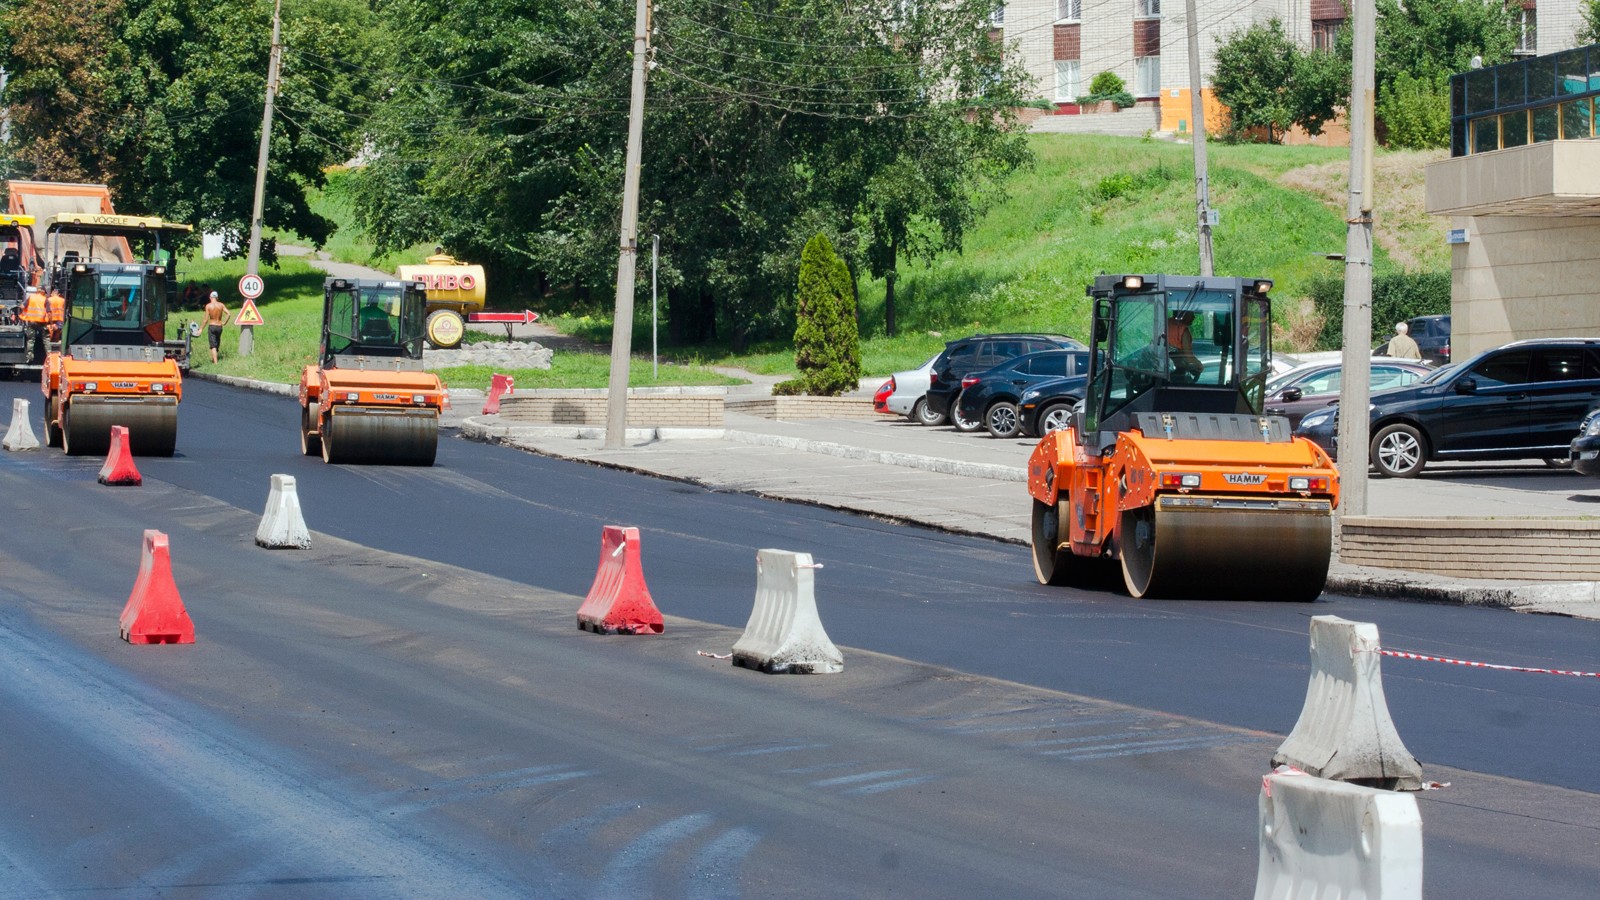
(1002,420)
(1055,417)
(962,423)
(1399,451)
(1564,462)
(922,415)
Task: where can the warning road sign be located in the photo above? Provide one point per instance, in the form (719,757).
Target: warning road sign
(251,286)
(248,314)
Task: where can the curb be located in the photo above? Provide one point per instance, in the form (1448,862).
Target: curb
(268,387)
(1523,596)
(477,429)
(907,460)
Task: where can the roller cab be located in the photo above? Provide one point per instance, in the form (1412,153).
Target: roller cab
(1169,471)
(112,277)
(368,400)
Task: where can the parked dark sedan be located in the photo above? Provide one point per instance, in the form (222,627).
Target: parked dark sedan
(1315,385)
(1586,446)
(1047,406)
(991,396)
(1520,401)
(975,354)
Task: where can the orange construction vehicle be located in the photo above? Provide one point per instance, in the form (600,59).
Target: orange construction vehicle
(24,316)
(114,275)
(368,398)
(1169,466)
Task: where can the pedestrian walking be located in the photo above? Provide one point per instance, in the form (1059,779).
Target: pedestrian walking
(217,316)
(1401,346)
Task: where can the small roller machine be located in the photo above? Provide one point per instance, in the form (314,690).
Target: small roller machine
(370,401)
(1169,471)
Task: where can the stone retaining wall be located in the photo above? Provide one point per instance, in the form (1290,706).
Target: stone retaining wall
(805,407)
(682,407)
(1530,549)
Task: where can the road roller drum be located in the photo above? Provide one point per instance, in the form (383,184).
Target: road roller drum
(1227,548)
(406,437)
(152,424)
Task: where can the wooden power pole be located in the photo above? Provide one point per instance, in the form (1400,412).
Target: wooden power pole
(1197,127)
(627,258)
(253,261)
(1355,390)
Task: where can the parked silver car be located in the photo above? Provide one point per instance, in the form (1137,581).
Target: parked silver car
(909,390)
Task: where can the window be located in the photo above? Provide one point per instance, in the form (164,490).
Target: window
(1071,10)
(1053,364)
(998,17)
(1147,76)
(1067,84)
(1147,9)
(1526,21)
(1321,383)
(1502,369)
(1391,376)
(1558,364)
(1325,35)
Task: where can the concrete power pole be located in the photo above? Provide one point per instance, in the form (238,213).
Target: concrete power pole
(627,258)
(1202,188)
(1355,392)
(253,261)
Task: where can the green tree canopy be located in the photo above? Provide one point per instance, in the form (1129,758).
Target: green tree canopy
(161,99)
(1267,81)
(827,344)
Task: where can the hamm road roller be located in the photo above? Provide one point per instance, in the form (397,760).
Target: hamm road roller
(368,398)
(1169,467)
(113,276)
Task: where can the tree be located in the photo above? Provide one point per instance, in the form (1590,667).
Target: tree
(1268,81)
(827,345)
(1416,113)
(1589,29)
(161,99)
(1434,39)
(765,124)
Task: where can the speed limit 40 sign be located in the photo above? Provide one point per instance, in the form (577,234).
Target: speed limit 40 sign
(251,286)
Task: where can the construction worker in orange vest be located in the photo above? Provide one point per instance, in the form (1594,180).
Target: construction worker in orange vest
(45,312)
(1180,348)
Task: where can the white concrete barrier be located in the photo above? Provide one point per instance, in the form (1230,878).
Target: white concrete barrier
(1330,840)
(282,525)
(784,633)
(1344,732)
(20,435)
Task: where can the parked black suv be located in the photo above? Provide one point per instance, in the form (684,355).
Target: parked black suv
(1521,401)
(991,396)
(982,351)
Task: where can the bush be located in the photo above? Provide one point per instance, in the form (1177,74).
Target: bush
(1107,83)
(827,343)
(1122,99)
(1395,298)
(1416,113)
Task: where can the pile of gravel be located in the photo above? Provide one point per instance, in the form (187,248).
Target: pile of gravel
(500,355)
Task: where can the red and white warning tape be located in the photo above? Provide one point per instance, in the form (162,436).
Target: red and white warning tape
(1483,665)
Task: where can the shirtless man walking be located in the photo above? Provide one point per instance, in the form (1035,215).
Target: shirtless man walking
(217,316)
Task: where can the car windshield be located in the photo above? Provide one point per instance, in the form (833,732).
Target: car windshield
(1441,374)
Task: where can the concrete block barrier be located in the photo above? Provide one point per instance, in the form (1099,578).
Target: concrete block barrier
(1331,840)
(282,525)
(20,435)
(619,601)
(1344,732)
(785,634)
(154,613)
(119,468)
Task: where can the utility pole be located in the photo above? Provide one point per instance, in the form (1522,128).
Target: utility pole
(627,258)
(253,261)
(1355,391)
(1197,127)
(655,353)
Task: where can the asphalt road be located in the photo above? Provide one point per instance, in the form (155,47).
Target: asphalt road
(413,713)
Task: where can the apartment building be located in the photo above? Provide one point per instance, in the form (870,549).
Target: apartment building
(1065,43)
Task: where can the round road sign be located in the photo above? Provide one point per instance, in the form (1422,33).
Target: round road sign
(251,286)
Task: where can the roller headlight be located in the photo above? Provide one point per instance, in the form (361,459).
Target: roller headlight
(352,396)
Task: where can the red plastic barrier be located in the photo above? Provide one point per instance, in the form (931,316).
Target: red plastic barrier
(499,386)
(619,601)
(154,613)
(119,467)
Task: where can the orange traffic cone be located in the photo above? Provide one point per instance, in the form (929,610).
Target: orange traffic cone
(154,613)
(119,467)
(619,601)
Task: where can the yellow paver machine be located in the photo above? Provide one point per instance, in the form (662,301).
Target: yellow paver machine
(368,398)
(113,275)
(1169,467)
